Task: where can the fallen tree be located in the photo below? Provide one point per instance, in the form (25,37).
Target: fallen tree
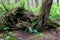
(53,23)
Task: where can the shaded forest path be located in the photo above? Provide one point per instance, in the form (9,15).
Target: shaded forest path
(46,35)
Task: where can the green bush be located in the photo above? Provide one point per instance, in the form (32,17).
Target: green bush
(55,12)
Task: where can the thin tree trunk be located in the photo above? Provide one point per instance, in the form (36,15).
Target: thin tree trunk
(30,3)
(36,3)
(58,2)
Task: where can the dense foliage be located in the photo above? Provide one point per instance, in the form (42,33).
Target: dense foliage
(55,12)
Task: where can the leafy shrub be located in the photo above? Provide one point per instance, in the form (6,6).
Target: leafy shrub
(55,12)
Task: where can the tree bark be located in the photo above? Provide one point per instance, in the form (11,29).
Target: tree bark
(57,1)
(44,14)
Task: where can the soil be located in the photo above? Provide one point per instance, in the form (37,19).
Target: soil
(46,35)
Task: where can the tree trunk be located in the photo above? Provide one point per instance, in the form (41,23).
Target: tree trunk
(44,14)
(36,1)
(58,2)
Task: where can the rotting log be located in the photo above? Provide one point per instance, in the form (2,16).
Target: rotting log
(53,23)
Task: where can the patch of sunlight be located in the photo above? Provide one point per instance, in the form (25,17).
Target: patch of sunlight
(58,29)
(37,36)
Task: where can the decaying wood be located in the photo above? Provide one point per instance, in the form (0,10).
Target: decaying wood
(53,23)
(20,18)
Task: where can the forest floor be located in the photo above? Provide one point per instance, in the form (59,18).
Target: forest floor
(19,35)
(46,35)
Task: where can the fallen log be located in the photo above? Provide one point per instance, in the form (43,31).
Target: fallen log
(53,23)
